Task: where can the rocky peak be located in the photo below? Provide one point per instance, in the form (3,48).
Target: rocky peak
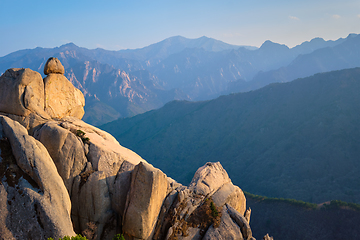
(61,97)
(31,100)
(61,176)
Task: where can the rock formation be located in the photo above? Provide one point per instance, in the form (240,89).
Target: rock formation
(247,215)
(34,202)
(61,176)
(61,97)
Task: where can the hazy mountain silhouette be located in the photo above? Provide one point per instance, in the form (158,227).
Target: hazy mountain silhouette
(341,54)
(204,75)
(295,140)
(156,52)
(129,82)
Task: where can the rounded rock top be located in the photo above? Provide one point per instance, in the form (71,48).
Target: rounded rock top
(53,65)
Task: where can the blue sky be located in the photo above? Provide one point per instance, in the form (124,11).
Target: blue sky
(119,24)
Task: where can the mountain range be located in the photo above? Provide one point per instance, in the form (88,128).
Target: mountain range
(295,140)
(128,82)
(345,54)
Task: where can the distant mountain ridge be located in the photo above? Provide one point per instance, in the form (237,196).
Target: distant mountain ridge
(341,54)
(129,82)
(293,140)
(161,50)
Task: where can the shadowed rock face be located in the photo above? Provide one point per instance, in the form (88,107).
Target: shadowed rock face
(68,177)
(34,202)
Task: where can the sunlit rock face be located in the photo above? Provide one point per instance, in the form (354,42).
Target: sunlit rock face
(61,97)
(60,176)
(22,92)
(31,100)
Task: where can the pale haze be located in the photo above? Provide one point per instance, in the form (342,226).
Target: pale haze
(116,25)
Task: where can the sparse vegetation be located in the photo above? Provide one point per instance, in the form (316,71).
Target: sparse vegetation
(77,237)
(214,211)
(286,200)
(85,140)
(81,134)
(341,204)
(118,237)
(205,215)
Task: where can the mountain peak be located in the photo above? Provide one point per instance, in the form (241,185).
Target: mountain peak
(352,35)
(317,39)
(268,45)
(69,45)
(204,37)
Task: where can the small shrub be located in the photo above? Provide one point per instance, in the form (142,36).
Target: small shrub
(78,237)
(214,211)
(80,133)
(118,237)
(85,139)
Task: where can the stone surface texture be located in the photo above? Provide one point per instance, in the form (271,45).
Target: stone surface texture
(209,178)
(33,195)
(53,65)
(227,229)
(22,92)
(146,196)
(62,98)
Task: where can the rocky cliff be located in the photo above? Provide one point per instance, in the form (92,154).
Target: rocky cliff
(61,176)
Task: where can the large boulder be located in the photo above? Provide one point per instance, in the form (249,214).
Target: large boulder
(232,195)
(22,92)
(147,192)
(209,178)
(34,202)
(31,100)
(53,65)
(62,98)
(65,148)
